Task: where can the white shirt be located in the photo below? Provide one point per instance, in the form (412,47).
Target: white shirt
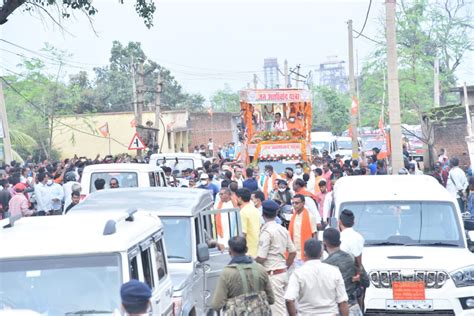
(46,193)
(67,187)
(317,287)
(352,242)
(226,224)
(210,146)
(456,175)
(312,209)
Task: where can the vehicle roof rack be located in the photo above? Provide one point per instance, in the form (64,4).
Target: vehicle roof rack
(9,221)
(111,225)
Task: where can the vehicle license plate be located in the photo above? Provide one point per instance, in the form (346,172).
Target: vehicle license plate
(421,305)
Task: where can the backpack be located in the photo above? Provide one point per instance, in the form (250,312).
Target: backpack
(249,303)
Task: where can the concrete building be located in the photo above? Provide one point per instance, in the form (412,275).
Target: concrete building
(79,134)
(449,127)
(222,127)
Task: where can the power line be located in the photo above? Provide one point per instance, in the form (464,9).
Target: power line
(58,121)
(370,39)
(365,22)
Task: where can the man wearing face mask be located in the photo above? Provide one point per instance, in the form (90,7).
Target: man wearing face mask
(283,194)
(49,195)
(299,171)
(269,184)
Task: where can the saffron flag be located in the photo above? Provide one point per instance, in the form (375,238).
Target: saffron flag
(133,123)
(210,112)
(381,127)
(104,130)
(355,105)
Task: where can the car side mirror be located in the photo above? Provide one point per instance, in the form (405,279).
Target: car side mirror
(202,252)
(333,222)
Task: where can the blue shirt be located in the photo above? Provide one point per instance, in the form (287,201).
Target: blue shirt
(211,187)
(250,184)
(373,168)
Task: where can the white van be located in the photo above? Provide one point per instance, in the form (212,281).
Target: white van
(129,175)
(178,161)
(344,147)
(415,252)
(322,141)
(76,264)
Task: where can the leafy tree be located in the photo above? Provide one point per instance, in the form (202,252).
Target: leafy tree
(65,8)
(113,85)
(425,30)
(33,100)
(331,109)
(225,100)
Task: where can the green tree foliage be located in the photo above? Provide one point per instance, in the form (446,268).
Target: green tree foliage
(65,8)
(33,100)
(113,86)
(330,110)
(34,97)
(225,100)
(425,30)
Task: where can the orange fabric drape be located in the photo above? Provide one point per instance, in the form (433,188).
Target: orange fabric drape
(306,193)
(265,185)
(306,232)
(219,228)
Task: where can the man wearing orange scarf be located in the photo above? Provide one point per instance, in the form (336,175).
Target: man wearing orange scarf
(299,186)
(269,184)
(302,226)
(222,221)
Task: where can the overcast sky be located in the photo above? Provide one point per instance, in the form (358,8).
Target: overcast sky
(208,43)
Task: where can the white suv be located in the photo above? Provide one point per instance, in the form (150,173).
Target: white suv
(415,245)
(76,264)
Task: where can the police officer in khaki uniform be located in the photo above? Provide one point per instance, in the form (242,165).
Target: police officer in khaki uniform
(274,244)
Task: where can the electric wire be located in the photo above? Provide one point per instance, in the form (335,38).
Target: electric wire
(365,22)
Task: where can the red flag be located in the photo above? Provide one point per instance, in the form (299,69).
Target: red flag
(355,105)
(350,130)
(104,130)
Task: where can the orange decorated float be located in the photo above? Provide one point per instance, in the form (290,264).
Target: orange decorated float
(276,126)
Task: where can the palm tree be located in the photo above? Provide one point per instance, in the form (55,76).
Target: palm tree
(21,142)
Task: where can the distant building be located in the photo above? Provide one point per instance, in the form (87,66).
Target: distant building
(79,134)
(332,73)
(221,127)
(448,125)
(270,69)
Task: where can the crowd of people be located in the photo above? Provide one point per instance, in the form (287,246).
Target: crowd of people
(284,252)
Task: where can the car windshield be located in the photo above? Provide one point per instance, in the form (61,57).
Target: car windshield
(320,145)
(344,144)
(61,285)
(406,222)
(182,164)
(279,166)
(178,238)
(125,179)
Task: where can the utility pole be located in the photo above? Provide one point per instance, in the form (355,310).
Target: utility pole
(7,147)
(134,88)
(354,107)
(393,88)
(468,112)
(140,98)
(255,81)
(297,75)
(436,92)
(159,86)
(285,74)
